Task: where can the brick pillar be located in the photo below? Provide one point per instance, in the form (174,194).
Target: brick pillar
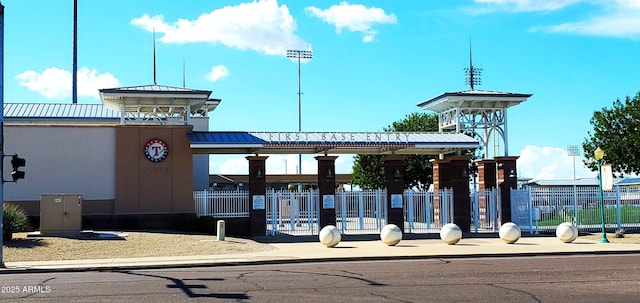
(327,189)
(452,172)
(486,174)
(394,181)
(257,195)
(507,179)
(486,180)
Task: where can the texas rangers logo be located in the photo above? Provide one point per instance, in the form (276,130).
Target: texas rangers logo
(156,150)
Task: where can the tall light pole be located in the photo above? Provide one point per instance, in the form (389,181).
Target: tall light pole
(599,155)
(299,54)
(74,76)
(573,150)
(2,227)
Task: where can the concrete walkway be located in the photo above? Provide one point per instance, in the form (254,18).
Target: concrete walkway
(307,250)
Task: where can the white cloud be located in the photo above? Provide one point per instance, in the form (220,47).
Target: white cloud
(528,5)
(232,166)
(55,83)
(550,163)
(261,26)
(628,3)
(276,164)
(217,73)
(354,18)
(607,18)
(621,24)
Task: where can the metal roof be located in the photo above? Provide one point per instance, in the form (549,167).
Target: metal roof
(154,88)
(473,99)
(400,143)
(78,112)
(583,182)
(577,182)
(59,112)
(153,99)
(629,181)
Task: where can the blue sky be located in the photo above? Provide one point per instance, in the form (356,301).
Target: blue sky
(373,62)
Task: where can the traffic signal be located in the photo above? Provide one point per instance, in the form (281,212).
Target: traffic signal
(16,163)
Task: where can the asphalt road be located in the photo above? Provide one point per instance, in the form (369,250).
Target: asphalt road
(601,278)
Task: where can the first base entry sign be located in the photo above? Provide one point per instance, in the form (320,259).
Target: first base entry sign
(156,150)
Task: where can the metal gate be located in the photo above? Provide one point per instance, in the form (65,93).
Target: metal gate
(521,213)
(292,212)
(361,211)
(485,210)
(357,212)
(427,212)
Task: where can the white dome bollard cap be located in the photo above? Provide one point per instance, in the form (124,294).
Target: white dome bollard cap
(509,232)
(566,232)
(391,234)
(329,236)
(450,233)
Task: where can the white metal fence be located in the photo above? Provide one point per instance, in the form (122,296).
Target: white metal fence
(485,210)
(540,209)
(427,212)
(296,213)
(361,211)
(292,212)
(221,204)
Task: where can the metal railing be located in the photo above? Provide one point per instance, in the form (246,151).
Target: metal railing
(292,212)
(548,207)
(485,210)
(221,204)
(361,211)
(426,211)
(296,212)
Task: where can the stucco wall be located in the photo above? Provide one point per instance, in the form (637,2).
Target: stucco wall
(61,159)
(145,187)
(200,162)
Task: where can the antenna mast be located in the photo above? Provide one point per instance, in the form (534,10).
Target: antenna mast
(472,73)
(74,76)
(154,57)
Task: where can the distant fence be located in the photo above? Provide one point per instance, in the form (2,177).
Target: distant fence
(542,209)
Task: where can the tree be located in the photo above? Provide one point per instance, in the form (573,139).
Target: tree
(616,130)
(368,170)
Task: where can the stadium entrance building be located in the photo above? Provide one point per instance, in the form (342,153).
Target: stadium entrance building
(141,154)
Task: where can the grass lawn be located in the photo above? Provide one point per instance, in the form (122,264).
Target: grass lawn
(629,214)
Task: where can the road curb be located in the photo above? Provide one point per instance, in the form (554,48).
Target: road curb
(97,268)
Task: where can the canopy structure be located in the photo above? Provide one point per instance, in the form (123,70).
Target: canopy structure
(157,103)
(475,111)
(385,143)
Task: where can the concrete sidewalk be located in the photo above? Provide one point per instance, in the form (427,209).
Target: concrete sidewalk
(358,249)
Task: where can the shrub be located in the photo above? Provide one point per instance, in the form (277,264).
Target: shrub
(14,219)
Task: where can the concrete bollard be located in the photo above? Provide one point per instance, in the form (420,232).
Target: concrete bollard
(220,230)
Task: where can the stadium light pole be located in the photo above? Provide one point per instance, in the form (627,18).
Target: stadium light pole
(599,155)
(2,227)
(299,54)
(573,150)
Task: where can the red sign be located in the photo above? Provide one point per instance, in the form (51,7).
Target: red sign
(156,150)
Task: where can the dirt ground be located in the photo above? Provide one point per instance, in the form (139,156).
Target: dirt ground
(630,238)
(129,245)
